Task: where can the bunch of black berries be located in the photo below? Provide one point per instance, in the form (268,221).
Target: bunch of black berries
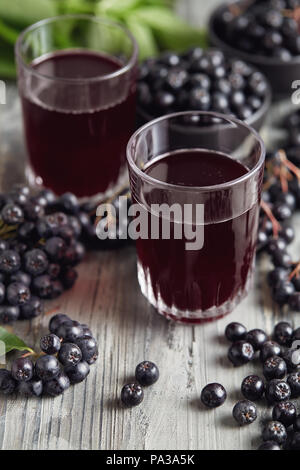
(68,351)
(203,80)
(280,200)
(267,28)
(278,386)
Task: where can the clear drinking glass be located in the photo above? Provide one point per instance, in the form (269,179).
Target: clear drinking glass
(167,158)
(77,82)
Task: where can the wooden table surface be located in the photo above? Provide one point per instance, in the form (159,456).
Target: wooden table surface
(107,297)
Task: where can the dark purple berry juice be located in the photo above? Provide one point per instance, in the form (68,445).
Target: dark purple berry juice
(76,132)
(214,278)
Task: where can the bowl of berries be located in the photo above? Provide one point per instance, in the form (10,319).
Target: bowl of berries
(264,33)
(202,80)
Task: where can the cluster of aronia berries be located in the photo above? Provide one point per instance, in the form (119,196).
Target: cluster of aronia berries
(146,374)
(280,199)
(202,80)
(68,351)
(268,28)
(280,358)
(42,239)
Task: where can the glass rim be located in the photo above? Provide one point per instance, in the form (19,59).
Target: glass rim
(178,187)
(96,19)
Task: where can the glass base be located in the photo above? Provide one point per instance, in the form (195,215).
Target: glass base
(187,316)
(36,183)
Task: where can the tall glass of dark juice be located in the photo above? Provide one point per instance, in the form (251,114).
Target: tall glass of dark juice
(77,82)
(199,175)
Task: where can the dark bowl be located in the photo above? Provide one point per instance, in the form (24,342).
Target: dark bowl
(280,74)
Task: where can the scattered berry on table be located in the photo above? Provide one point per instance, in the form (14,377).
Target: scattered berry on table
(277,390)
(274,367)
(257,338)
(274,431)
(244,412)
(235,331)
(213,395)
(240,353)
(253,387)
(283,333)
(269,349)
(132,394)
(146,373)
(285,412)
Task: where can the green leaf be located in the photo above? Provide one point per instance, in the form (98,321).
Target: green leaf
(8,33)
(76,6)
(143,36)
(26,12)
(171,31)
(13,342)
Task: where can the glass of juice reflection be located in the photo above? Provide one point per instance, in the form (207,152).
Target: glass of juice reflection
(77,82)
(213,162)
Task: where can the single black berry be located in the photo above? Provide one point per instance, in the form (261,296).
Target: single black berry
(77,373)
(35,262)
(285,412)
(50,344)
(240,353)
(257,338)
(69,354)
(132,394)
(274,368)
(213,395)
(274,431)
(88,346)
(57,385)
(235,331)
(22,369)
(293,380)
(56,321)
(47,367)
(10,262)
(277,390)
(9,313)
(146,373)
(269,349)
(253,387)
(244,412)
(283,333)
(17,293)
(69,331)
(32,308)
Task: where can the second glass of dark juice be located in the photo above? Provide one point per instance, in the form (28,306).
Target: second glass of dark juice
(181,163)
(77,82)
